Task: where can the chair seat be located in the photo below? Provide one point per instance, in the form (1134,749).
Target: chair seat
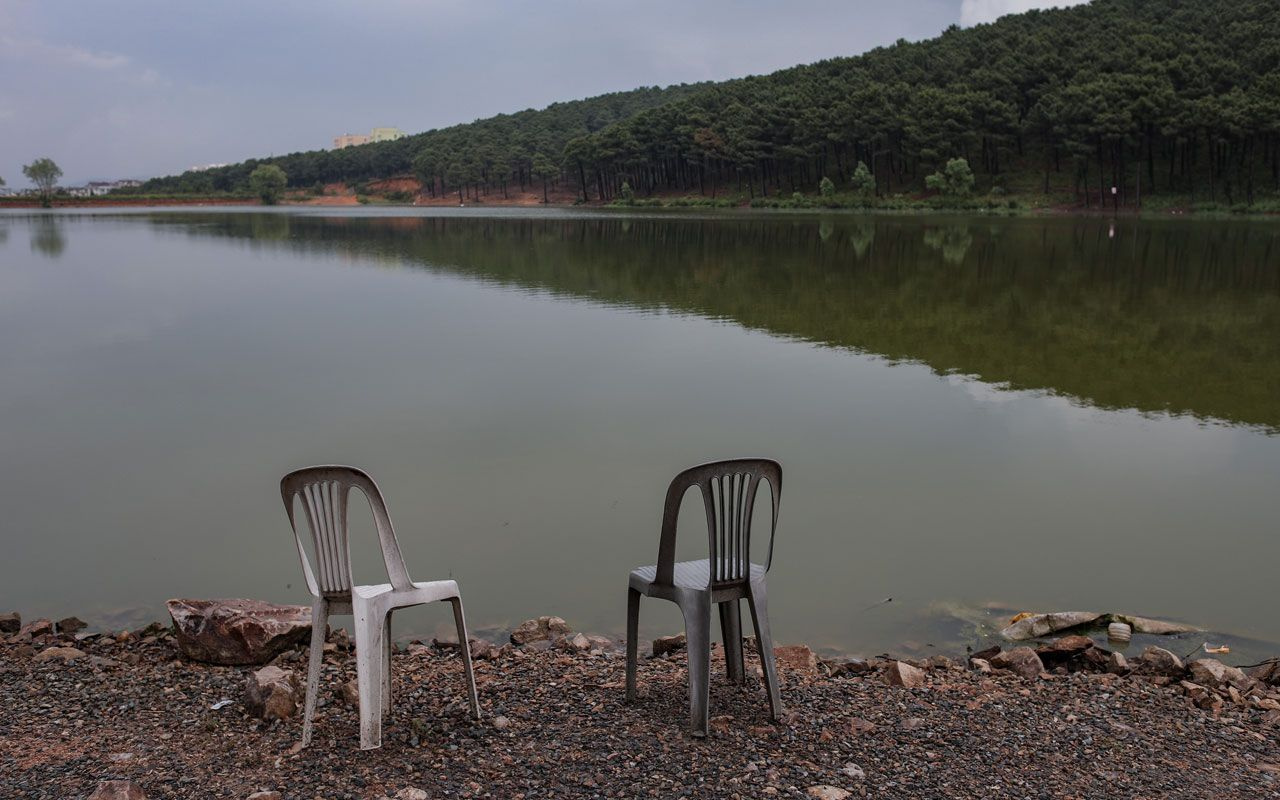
(422,592)
(687,574)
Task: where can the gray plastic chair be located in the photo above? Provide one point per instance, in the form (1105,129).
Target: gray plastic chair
(324,492)
(727,577)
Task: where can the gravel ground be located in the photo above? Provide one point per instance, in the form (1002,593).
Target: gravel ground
(555,725)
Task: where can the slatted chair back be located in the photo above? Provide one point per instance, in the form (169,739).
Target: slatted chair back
(728,490)
(323,492)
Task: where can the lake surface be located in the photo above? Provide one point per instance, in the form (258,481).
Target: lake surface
(975,415)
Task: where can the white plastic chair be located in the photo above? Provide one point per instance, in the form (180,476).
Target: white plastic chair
(324,491)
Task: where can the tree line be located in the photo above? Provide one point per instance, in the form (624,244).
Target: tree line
(1109,101)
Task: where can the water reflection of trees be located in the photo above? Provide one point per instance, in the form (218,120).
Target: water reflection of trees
(952,241)
(46,237)
(1183,317)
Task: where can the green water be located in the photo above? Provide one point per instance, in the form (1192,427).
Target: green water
(1026,414)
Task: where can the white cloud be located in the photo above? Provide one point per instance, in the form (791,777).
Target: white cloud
(975,12)
(34,50)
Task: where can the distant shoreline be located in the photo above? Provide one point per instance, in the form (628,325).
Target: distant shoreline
(662,204)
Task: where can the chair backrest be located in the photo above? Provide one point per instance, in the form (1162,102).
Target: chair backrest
(324,491)
(728,496)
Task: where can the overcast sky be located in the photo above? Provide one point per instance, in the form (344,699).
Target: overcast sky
(135,88)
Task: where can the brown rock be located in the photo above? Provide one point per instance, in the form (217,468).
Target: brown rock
(1117,664)
(980,665)
(11,622)
(601,642)
(1158,661)
(938,663)
(1022,661)
(538,630)
(668,644)
(350,693)
(1063,648)
(70,625)
(1216,675)
(578,643)
(1267,672)
(987,654)
(271,693)
(40,627)
(859,726)
(824,792)
(481,650)
(236,632)
(265,796)
(118,790)
(66,654)
(852,666)
(796,657)
(904,675)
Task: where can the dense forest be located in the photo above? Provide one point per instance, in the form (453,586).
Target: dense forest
(1146,96)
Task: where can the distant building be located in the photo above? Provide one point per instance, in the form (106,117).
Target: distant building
(99,188)
(375,135)
(204,167)
(349,140)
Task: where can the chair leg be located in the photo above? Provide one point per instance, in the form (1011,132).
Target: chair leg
(731,632)
(759,603)
(633,641)
(319,620)
(369,655)
(465,646)
(697,628)
(386,666)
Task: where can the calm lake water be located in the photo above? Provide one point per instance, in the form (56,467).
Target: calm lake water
(975,416)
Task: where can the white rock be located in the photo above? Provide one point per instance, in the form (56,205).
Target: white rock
(853,771)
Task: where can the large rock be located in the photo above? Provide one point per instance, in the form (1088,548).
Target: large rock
(1158,661)
(796,657)
(271,693)
(236,632)
(538,630)
(898,673)
(118,790)
(1216,675)
(11,622)
(1038,626)
(1022,661)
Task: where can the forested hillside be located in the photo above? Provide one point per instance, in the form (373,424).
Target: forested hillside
(1148,96)
(489,151)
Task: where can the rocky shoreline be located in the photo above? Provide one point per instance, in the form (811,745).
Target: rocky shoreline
(132,715)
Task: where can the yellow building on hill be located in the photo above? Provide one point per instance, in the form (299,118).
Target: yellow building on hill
(375,135)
